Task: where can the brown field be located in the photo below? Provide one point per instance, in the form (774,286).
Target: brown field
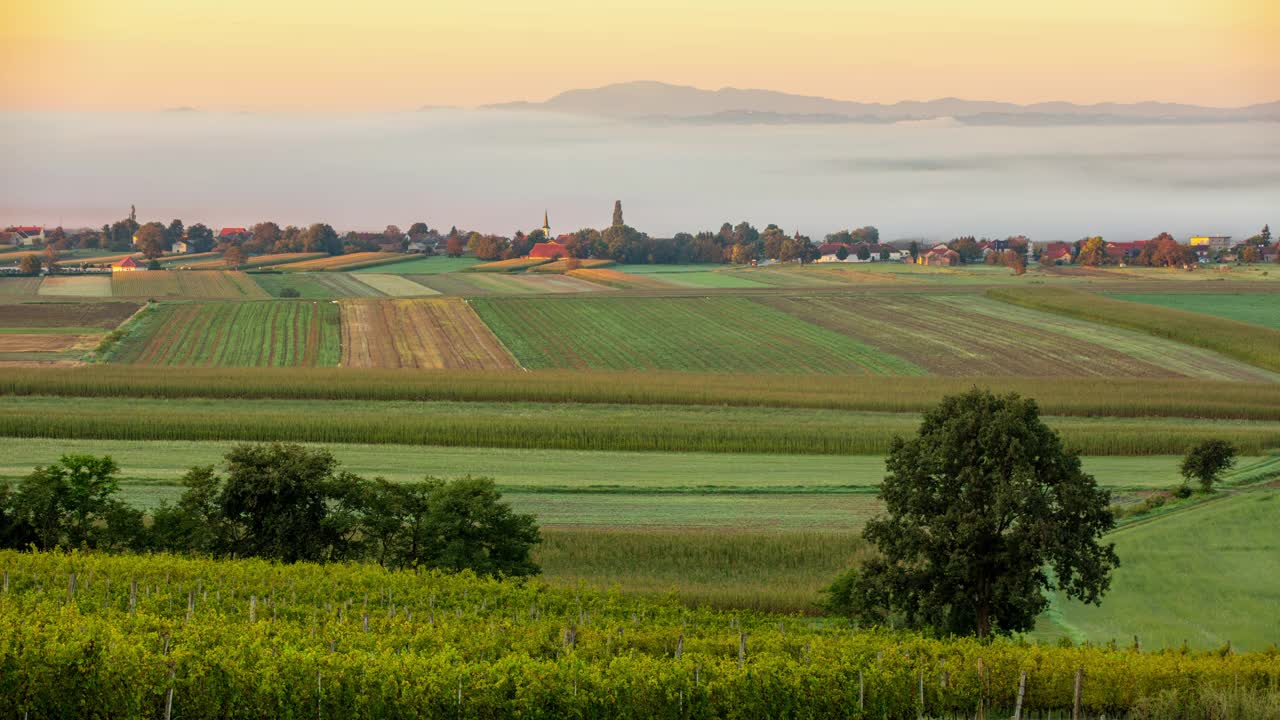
(970,337)
(347,262)
(18,286)
(76,285)
(618,279)
(48,342)
(106,315)
(431,333)
(563,266)
(185,283)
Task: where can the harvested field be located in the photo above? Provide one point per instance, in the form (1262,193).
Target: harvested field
(722,334)
(105,315)
(432,334)
(43,342)
(340,285)
(347,262)
(524,284)
(253,334)
(512,265)
(791,276)
(76,285)
(451,283)
(191,260)
(969,336)
(12,257)
(621,280)
(395,285)
(213,284)
(564,266)
(19,286)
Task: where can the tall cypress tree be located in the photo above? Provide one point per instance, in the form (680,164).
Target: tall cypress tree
(617,213)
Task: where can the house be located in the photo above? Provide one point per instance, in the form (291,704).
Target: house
(1122,252)
(180,248)
(418,246)
(1210,242)
(128,264)
(1059,253)
(550,249)
(233,233)
(830,252)
(26,235)
(939,255)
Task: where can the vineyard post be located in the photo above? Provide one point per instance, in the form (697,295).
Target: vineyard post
(191,604)
(133,595)
(1075,700)
(742,650)
(982,690)
(862,686)
(679,647)
(1022,689)
(6,582)
(921,686)
(319,691)
(71,588)
(253,608)
(365,622)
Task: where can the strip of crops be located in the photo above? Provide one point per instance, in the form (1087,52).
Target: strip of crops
(395,285)
(1251,343)
(567,264)
(347,262)
(418,334)
(617,279)
(19,286)
(203,638)
(725,334)
(512,265)
(568,427)
(235,335)
(1123,397)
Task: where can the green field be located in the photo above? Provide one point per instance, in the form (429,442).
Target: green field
(723,334)
(234,335)
(1204,576)
(427,265)
(1259,309)
(306,284)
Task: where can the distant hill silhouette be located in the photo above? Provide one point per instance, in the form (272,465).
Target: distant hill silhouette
(663,102)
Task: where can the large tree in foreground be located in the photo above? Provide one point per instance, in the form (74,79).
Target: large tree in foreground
(985,513)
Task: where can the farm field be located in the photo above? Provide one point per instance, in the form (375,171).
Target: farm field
(177,261)
(563,426)
(565,265)
(98,286)
(428,265)
(342,284)
(710,279)
(31,315)
(513,265)
(352,261)
(1203,576)
(610,277)
(19,286)
(974,336)
(261,261)
(418,334)
(308,287)
(1259,309)
(203,284)
(234,335)
(395,285)
(724,334)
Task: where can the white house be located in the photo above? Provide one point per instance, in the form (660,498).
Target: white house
(26,235)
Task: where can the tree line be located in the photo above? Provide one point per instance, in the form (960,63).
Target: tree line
(278,502)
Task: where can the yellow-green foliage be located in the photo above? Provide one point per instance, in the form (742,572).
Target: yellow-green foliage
(1244,341)
(252,639)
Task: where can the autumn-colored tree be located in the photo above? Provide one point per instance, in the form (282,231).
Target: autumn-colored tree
(264,237)
(572,263)
(29,264)
(741,254)
(1093,252)
(454,246)
(617,213)
(233,256)
(1250,255)
(773,237)
(151,240)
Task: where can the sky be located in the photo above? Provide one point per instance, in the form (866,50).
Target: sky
(386,55)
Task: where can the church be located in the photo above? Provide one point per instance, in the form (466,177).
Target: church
(552,249)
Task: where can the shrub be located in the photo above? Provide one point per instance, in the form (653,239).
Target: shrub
(290,292)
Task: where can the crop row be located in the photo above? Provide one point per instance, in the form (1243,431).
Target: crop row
(236,335)
(418,334)
(246,638)
(1179,397)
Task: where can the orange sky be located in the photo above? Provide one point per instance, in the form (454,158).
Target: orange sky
(400,54)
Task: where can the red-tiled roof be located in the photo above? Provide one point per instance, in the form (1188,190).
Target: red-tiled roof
(831,248)
(548,250)
(228,231)
(27,229)
(127,262)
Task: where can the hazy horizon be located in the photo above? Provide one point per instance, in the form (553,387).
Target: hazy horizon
(497,171)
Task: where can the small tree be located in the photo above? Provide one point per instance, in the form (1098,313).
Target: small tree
(981,503)
(1206,462)
(29,264)
(233,256)
(842,253)
(71,503)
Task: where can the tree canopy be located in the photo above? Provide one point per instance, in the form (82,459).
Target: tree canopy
(985,512)
(1206,462)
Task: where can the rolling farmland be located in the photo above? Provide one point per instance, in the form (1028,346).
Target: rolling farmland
(970,336)
(98,286)
(1259,309)
(260,334)
(722,334)
(18,286)
(211,284)
(512,265)
(418,334)
(617,279)
(351,261)
(427,265)
(395,285)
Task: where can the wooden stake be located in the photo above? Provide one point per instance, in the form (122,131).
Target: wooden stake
(862,686)
(133,596)
(1022,689)
(253,608)
(921,715)
(71,588)
(742,650)
(679,647)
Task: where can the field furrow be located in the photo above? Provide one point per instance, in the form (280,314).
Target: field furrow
(428,333)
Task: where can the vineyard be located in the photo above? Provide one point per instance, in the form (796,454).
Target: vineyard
(723,334)
(198,638)
(234,335)
(418,334)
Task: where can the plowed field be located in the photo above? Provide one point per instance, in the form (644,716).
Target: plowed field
(418,334)
(76,285)
(252,334)
(105,315)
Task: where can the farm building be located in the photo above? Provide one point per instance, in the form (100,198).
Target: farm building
(939,255)
(550,249)
(1059,253)
(830,252)
(26,235)
(180,248)
(233,233)
(128,264)
(1212,242)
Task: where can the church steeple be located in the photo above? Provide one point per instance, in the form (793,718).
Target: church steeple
(546,226)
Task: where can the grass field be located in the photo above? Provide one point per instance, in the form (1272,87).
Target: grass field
(724,334)
(617,279)
(1206,575)
(519,264)
(1250,343)
(19,286)
(234,335)
(395,285)
(308,287)
(98,286)
(1259,309)
(564,426)
(567,264)
(343,284)
(418,334)
(428,265)
(348,262)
